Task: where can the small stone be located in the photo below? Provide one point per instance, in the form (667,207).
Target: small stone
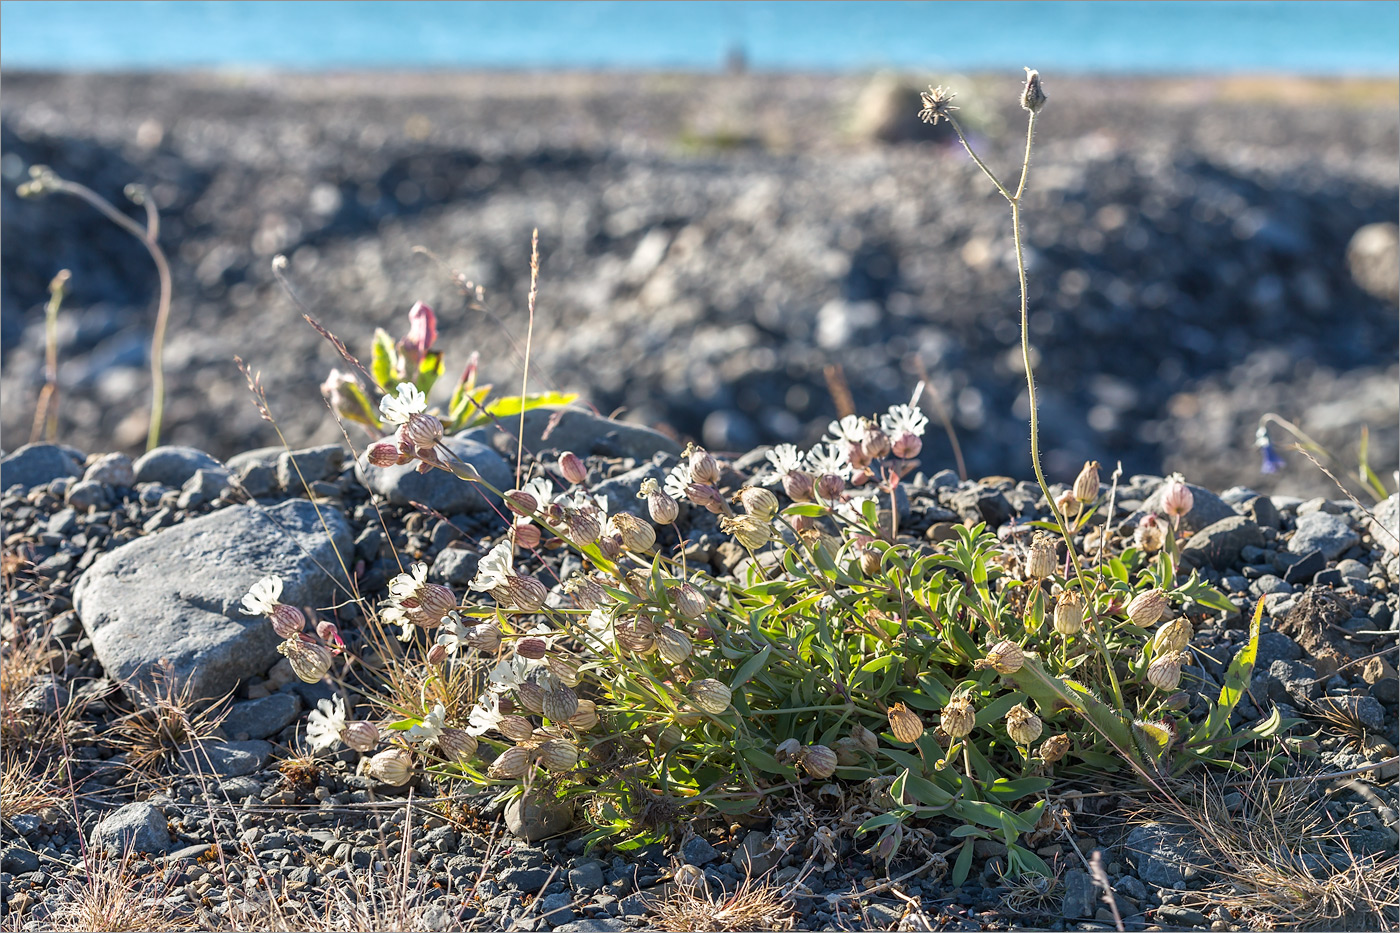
(1365,710)
(311,464)
(36,464)
(586,877)
(228,759)
(1353,569)
(1182,916)
(1262,511)
(556,909)
(87,494)
(698,851)
(257,479)
(533,817)
(1081,896)
(172,465)
(1321,531)
(137,827)
(114,470)
(1300,569)
(1275,646)
(1164,855)
(1269,584)
(757,854)
(201,488)
(18,860)
(455,566)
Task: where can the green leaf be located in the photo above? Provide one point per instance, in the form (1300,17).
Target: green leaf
(998,708)
(1022,860)
(735,807)
(963,865)
(749,668)
(1007,791)
(1154,739)
(510,405)
(429,369)
(926,792)
(875,822)
(806,510)
(870,509)
(1236,681)
(382,355)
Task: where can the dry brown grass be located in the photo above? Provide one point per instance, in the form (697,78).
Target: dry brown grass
(110,898)
(754,905)
(168,718)
(26,654)
(26,787)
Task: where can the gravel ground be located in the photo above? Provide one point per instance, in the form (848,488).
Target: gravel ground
(219,838)
(712,243)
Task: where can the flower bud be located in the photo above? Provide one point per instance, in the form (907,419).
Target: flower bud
(905,724)
(586,592)
(560,704)
(637,534)
(531,697)
(818,761)
(531,648)
(636,635)
(874,443)
(1040,562)
(572,468)
(690,602)
(521,502)
(558,755)
(1177,499)
(787,750)
(581,527)
(422,430)
(1150,535)
(830,486)
(1005,657)
(512,763)
(457,745)
(361,736)
(672,645)
(759,502)
(703,467)
(515,728)
(865,738)
(1054,748)
(1067,505)
(705,496)
(485,638)
(525,533)
(287,621)
(1172,636)
(392,766)
(662,508)
(437,654)
(1086,484)
(847,751)
(386,454)
(710,695)
(1033,95)
(586,717)
(906,445)
(310,660)
(1069,613)
(1022,725)
(1164,672)
(329,633)
(1147,607)
(799,485)
(525,593)
(747,530)
(564,669)
(958,717)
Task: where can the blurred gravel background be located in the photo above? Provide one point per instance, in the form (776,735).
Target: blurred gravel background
(712,243)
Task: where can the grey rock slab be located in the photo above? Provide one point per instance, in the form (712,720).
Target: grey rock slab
(454,566)
(1081,896)
(1321,531)
(260,718)
(18,860)
(585,434)
(228,759)
(440,489)
(1385,526)
(136,827)
(1165,856)
(1206,507)
(176,594)
(173,465)
(1220,543)
(311,464)
(36,464)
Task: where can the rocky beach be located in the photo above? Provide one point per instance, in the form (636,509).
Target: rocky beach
(1200,253)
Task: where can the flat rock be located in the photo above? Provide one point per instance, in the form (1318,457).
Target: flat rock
(439,489)
(176,594)
(582,432)
(1219,543)
(136,827)
(1206,507)
(227,759)
(1320,531)
(1385,527)
(173,465)
(260,718)
(36,464)
(533,817)
(307,466)
(1164,855)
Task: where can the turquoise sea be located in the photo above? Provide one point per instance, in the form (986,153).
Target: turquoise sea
(1331,37)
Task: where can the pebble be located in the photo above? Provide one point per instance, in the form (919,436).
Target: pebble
(1323,531)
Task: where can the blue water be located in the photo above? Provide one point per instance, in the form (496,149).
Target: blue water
(1329,37)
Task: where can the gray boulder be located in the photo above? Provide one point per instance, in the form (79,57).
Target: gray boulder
(440,489)
(580,431)
(1319,531)
(176,594)
(1206,507)
(1165,856)
(36,464)
(136,827)
(260,718)
(1385,527)
(173,465)
(1219,543)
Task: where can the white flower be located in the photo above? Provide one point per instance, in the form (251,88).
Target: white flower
(849,430)
(263,596)
(494,569)
(427,731)
(903,418)
(394,615)
(512,672)
(454,633)
(485,715)
(399,408)
(540,488)
(677,480)
(326,722)
(829,458)
(600,625)
(786,458)
(406,584)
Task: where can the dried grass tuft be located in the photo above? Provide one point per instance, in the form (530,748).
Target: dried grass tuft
(752,906)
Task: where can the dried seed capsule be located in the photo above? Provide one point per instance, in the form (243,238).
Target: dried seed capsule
(1022,725)
(521,502)
(710,695)
(668,738)
(1067,504)
(958,717)
(586,717)
(512,763)
(689,877)
(672,645)
(586,592)
(905,724)
(787,750)
(1172,636)
(847,751)
(906,445)
(531,697)
(387,454)
(874,443)
(572,468)
(457,745)
(1054,748)
(759,502)
(287,621)
(1147,607)
(565,669)
(1150,535)
(435,599)
(818,761)
(1164,672)
(1005,657)
(532,648)
(1040,563)
(560,704)
(525,533)
(747,530)
(310,660)
(637,534)
(703,467)
(581,527)
(870,560)
(1069,613)
(1033,95)
(485,638)
(515,728)
(1086,484)
(361,736)
(525,593)
(558,755)
(636,635)
(865,738)
(392,766)
(690,602)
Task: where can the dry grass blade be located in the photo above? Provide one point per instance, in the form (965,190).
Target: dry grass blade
(752,906)
(168,720)
(23,789)
(109,899)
